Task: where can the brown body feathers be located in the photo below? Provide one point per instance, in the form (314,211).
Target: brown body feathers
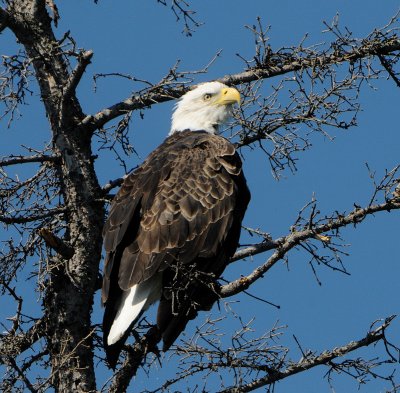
(177,217)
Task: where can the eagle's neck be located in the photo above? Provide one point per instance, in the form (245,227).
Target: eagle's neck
(193,124)
(201,117)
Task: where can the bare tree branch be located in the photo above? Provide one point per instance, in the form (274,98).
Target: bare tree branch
(84,59)
(112,184)
(309,362)
(136,102)
(282,65)
(58,245)
(13,345)
(366,49)
(389,69)
(30,218)
(15,160)
(181,10)
(284,244)
(22,375)
(134,359)
(255,249)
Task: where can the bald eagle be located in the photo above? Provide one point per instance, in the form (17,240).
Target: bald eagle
(175,223)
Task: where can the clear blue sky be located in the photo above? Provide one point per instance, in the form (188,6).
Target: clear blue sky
(143,39)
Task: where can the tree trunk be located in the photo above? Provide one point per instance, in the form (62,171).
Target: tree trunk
(71,283)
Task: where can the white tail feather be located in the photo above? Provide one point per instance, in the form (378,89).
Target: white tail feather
(133,302)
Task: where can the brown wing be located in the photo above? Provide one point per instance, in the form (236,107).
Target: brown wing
(122,225)
(179,213)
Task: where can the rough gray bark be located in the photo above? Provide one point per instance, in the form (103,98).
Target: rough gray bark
(70,286)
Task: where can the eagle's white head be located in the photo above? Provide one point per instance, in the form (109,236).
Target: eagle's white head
(204,108)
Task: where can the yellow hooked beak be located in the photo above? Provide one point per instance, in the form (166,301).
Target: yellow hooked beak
(228,96)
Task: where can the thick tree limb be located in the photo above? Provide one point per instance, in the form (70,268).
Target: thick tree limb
(255,249)
(313,361)
(139,101)
(112,184)
(57,244)
(15,160)
(75,77)
(268,70)
(366,49)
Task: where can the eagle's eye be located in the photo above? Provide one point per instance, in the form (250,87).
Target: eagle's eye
(207,97)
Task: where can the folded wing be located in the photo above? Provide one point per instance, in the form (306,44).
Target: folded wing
(172,228)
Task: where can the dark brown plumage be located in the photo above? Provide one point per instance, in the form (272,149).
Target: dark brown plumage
(174,224)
